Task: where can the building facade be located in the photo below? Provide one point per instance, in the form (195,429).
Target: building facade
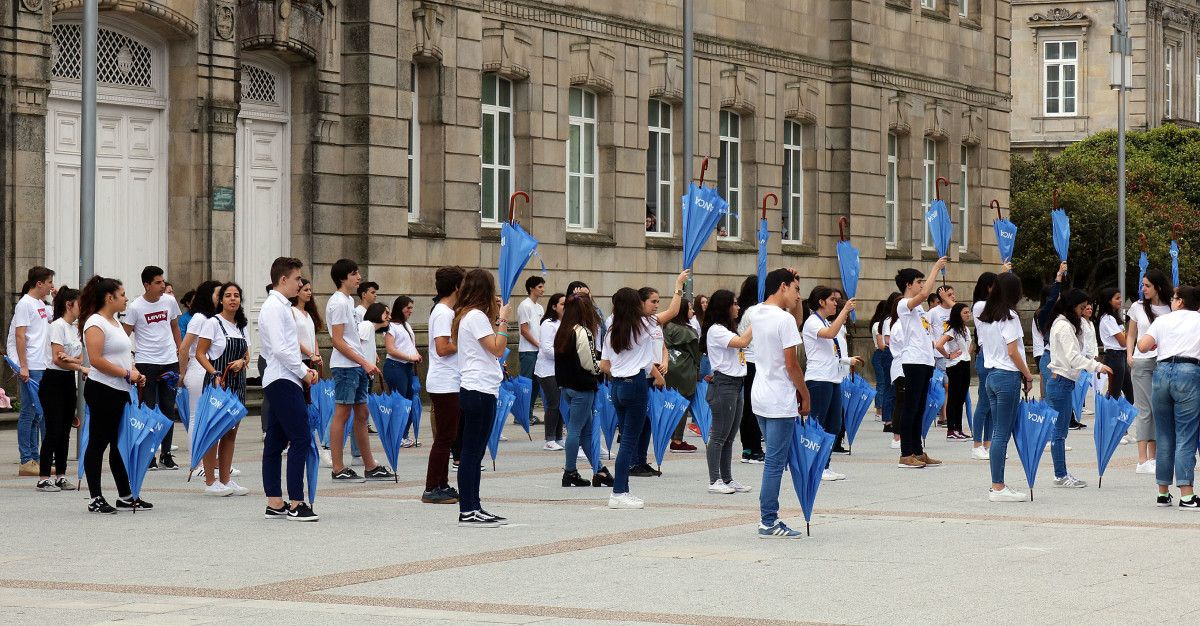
(394,131)
(1063,86)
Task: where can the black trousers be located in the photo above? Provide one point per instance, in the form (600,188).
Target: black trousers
(959,378)
(106,406)
(749,432)
(158,394)
(57,394)
(916,383)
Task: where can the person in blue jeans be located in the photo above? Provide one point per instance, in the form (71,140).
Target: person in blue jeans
(577,374)
(28,351)
(981,421)
(1001,337)
(655,322)
(881,360)
(1066,362)
(1176,395)
(826,361)
(779,395)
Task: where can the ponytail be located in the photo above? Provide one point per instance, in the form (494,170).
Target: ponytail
(93,296)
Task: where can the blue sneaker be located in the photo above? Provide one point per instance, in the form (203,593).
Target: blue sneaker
(778,531)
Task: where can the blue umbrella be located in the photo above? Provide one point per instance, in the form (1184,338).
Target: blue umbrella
(504,402)
(1113,417)
(390,412)
(933,401)
(322,395)
(522,390)
(84,435)
(702,209)
(1143,265)
(29,388)
(217,412)
(1079,395)
(142,430)
(849,264)
(1006,234)
(414,414)
(701,411)
(183,403)
(937,219)
(764,233)
(312,466)
(608,415)
(811,447)
(857,398)
(666,408)
(516,246)
(1034,427)
(1060,226)
(1173,250)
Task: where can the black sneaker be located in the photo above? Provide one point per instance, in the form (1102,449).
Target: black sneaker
(302,514)
(439,496)
(451,491)
(503,521)
(1164,499)
(475,519)
(280,513)
(1192,505)
(46,485)
(348,475)
(840,450)
(153,464)
(168,462)
(644,471)
(65,485)
(380,472)
(573,479)
(100,505)
(887,427)
(133,503)
(602,478)
(1077,425)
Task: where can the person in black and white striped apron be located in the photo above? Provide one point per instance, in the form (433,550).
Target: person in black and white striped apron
(224,352)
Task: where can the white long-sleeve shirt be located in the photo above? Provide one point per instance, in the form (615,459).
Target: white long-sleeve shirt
(1066,350)
(279,341)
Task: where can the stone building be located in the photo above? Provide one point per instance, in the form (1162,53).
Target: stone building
(1063,70)
(393,132)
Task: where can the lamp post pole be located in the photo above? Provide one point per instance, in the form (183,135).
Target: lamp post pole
(689,105)
(1121,47)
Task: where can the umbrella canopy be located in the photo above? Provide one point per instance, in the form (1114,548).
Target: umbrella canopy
(312,466)
(933,401)
(183,403)
(811,447)
(1113,417)
(217,412)
(414,413)
(701,411)
(1143,265)
(1006,234)
(516,246)
(593,442)
(608,414)
(848,263)
(1079,395)
(504,403)
(1034,427)
(390,412)
(762,236)
(666,407)
(29,388)
(1060,226)
(857,397)
(937,218)
(702,209)
(322,395)
(142,430)
(1173,250)
(84,435)
(522,390)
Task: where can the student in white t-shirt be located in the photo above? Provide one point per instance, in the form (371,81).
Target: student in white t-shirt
(1156,300)
(914,356)
(204,307)
(727,356)
(480,330)
(442,383)
(367,291)
(400,365)
(780,394)
(1110,324)
(954,347)
(529,319)
(826,356)
(352,372)
(57,392)
(153,321)
(28,347)
(656,320)
(543,372)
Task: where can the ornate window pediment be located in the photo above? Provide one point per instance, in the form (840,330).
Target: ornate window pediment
(801,101)
(936,117)
(739,90)
(899,114)
(666,78)
(428,22)
(506,52)
(592,66)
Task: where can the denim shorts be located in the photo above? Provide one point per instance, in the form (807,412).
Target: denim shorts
(350,385)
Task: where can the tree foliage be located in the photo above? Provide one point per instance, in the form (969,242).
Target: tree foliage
(1163,188)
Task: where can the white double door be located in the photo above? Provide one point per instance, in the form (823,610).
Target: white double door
(131,192)
(262,230)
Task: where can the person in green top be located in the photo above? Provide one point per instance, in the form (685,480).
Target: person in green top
(683,353)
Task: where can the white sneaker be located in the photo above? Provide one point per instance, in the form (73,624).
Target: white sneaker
(1069,481)
(719,487)
(233,471)
(552,446)
(980,454)
(603,451)
(238,490)
(832,475)
(174,447)
(624,501)
(581,454)
(1007,495)
(408,442)
(895,445)
(1124,441)
(1066,448)
(326,458)
(1088,412)
(217,490)
(198,472)
(561,442)
(739,487)
(502,437)
(1149,467)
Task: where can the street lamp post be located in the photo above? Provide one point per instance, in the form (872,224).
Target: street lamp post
(1120,52)
(689,103)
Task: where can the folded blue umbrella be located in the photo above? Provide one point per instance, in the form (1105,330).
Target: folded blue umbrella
(666,408)
(1113,418)
(84,435)
(857,397)
(312,464)
(593,442)
(1079,394)
(516,247)
(701,411)
(414,414)
(763,235)
(504,403)
(1173,250)
(142,430)
(811,447)
(849,264)
(217,412)
(390,412)
(183,403)
(29,388)
(322,395)
(608,415)
(1143,265)
(522,390)
(702,209)
(1034,427)
(941,227)
(1060,226)
(933,401)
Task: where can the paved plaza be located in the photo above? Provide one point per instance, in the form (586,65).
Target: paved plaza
(887,546)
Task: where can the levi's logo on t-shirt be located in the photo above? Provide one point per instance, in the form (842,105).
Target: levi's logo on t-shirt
(157,316)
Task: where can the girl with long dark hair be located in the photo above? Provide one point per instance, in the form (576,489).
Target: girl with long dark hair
(1110,324)
(823,373)
(1157,292)
(954,345)
(577,374)
(726,354)
(400,365)
(58,390)
(1066,361)
(881,360)
(480,331)
(110,354)
(223,352)
(1001,338)
(748,431)
(981,421)
(656,321)
(543,369)
(308,323)
(204,308)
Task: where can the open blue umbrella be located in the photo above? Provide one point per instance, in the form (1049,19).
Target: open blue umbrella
(29,388)
(516,247)
(1006,234)
(84,435)
(522,390)
(857,397)
(312,464)
(666,408)
(937,219)
(142,430)
(217,412)
(1060,227)
(934,400)
(414,413)
(504,403)
(1079,394)
(1173,250)
(1113,417)
(390,413)
(811,447)
(849,264)
(764,233)
(701,411)
(1034,427)
(702,209)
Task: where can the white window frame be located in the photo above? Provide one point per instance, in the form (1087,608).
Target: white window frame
(964,199)
(1060,64)
(929,187)
(496,171)
(793,181)
(963,9)
(892,190)
(1168,80)
(664,186)
(929,4)
(581,124)
(730,141)
(414,152)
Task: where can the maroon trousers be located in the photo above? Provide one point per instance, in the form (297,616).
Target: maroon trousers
(445,431)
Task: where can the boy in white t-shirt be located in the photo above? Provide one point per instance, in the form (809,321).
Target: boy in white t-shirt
(153,321)
(529,316)
(442,384)
(28,347)
(779,394)
(915,358)
(368,291)
(352,372)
